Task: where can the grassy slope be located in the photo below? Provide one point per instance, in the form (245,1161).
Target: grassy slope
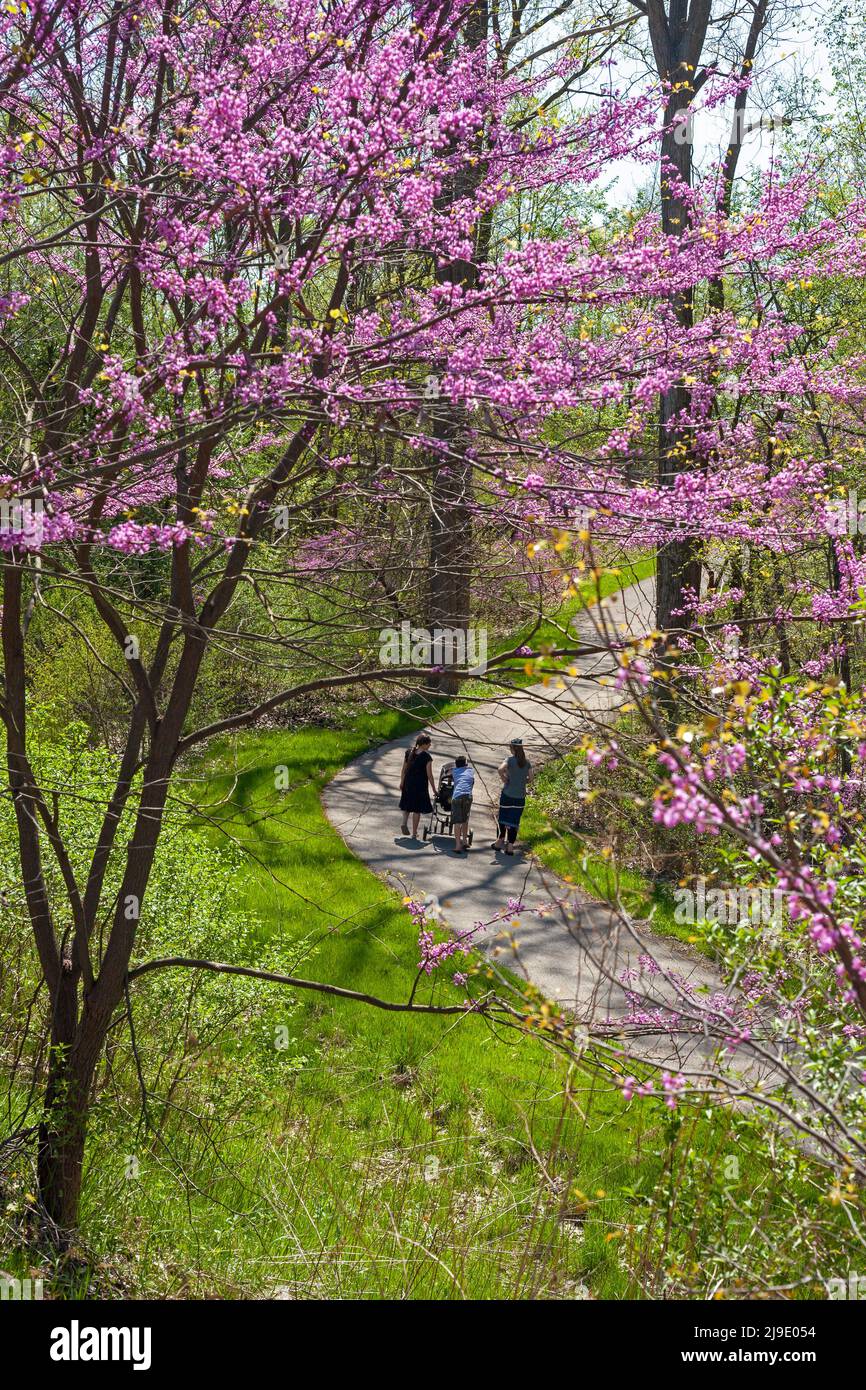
(420,1088)
(383,1085)
(399,1090)
(393,1157)
(534,1195)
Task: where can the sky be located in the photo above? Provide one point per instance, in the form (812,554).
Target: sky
(800,58)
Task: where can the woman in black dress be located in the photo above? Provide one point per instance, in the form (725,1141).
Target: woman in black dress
(417,773)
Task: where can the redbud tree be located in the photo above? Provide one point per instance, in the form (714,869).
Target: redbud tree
(197,206)
(264,291)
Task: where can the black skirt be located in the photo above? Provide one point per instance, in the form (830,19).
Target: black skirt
(415,798)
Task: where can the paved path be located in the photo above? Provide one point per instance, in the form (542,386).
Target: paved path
(573,948)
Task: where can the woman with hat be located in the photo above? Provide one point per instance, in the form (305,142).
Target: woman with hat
(514,773)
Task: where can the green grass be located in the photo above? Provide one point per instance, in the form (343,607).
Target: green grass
(418,1088)
(423,708)
(547,1182)
(491,1109)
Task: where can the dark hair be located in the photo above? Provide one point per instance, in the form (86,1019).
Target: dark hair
(460,762)
(519,754)
(422,741)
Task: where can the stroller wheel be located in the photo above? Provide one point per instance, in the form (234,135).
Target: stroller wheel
(426,831)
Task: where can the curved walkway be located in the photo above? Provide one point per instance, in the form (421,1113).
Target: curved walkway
(569,945)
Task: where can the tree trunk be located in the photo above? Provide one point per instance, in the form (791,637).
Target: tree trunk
(60,1156)
(449,590)
(77,1040)
(63,1127)
(678,566)
(677,33)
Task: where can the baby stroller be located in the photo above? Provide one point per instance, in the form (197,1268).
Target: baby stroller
(440,817)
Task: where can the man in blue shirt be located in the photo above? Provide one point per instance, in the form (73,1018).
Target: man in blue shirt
(461,803)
